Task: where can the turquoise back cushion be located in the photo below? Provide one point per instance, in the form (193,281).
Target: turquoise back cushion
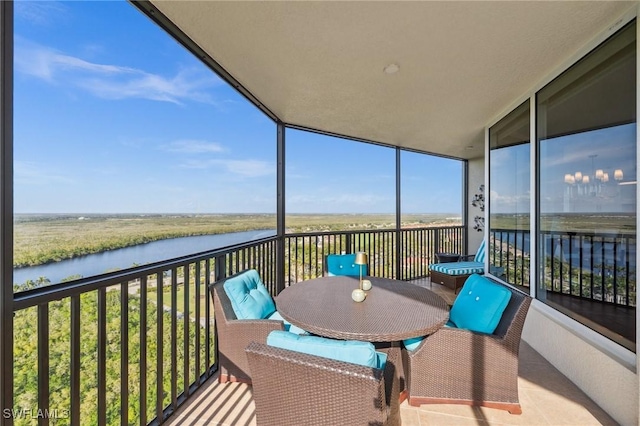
(344,264)
(480,305)
(249,297)
(480,253)
(355,352)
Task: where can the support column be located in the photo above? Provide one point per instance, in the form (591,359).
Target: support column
(398,263)
(280,208)
(6,209)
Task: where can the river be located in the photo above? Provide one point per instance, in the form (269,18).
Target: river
(99,263)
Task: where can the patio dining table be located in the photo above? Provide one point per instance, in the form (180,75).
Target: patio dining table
(393,310)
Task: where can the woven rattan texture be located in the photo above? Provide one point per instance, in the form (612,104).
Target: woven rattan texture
(456,364)
(393,310)
(292,388)
(234,335)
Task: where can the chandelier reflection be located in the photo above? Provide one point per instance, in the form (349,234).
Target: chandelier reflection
(590,184)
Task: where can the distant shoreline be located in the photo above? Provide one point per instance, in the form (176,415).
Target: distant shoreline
(45,238)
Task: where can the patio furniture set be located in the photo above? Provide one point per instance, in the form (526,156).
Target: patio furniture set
(314,356)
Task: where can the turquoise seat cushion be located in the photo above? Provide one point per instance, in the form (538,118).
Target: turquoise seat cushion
(287,325)
(480,305)
(355,352)
(249,297)
(344,264)
(458,268)
(413,343)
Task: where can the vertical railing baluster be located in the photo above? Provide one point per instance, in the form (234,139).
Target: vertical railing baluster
(553,263)
(174,337)
(295,263)
(197,323)
(159,346)
(303,255)
(570,264)
(207,316)
(615,270)
(75,360)
(581,259)
(591,265)
(522,251)
(102,356)
(627,271)
(43,361)
(603,271)
(561,240)
(143,350)
(124,353)
(185,317)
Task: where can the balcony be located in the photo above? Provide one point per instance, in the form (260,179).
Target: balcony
(151,358)
(185,357)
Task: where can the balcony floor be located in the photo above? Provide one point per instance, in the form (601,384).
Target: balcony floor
(547,398)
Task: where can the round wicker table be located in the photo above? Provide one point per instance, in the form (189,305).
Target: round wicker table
(392,311)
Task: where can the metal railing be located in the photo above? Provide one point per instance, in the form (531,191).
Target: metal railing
(410,259)
(132,346)
(125,347)
(596,266)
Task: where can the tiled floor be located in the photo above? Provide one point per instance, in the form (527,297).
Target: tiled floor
(546,397)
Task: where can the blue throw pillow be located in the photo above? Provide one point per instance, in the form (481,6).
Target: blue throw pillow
(480,305)
(249,297)
(353,351)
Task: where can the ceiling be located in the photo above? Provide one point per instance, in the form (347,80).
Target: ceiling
(320,65)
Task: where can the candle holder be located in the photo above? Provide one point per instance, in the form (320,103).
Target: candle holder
(358,294)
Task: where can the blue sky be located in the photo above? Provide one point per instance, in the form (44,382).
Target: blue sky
(111,115)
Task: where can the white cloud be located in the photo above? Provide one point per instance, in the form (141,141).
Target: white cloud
(249,168)
(244,168)
(39,12)
(497,198)
(188,146)
(112,81)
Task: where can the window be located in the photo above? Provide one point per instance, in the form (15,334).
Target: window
(346,184)
(509,171)
(431,190)
(586,130)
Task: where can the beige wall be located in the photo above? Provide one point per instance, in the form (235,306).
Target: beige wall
(476,178)
(606,377)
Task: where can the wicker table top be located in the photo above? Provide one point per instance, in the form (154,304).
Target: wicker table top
(393,310)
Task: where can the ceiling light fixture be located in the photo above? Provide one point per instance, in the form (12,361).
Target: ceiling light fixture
(391,69)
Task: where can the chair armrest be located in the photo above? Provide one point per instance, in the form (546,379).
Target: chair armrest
(454,352)
(242,332)
(467,257)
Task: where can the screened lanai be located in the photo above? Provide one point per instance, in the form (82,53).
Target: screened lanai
(534,102)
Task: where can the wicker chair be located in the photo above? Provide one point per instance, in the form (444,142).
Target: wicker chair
(294,388)
(457,366)
(233,335)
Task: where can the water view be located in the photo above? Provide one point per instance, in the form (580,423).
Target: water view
(110,260)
